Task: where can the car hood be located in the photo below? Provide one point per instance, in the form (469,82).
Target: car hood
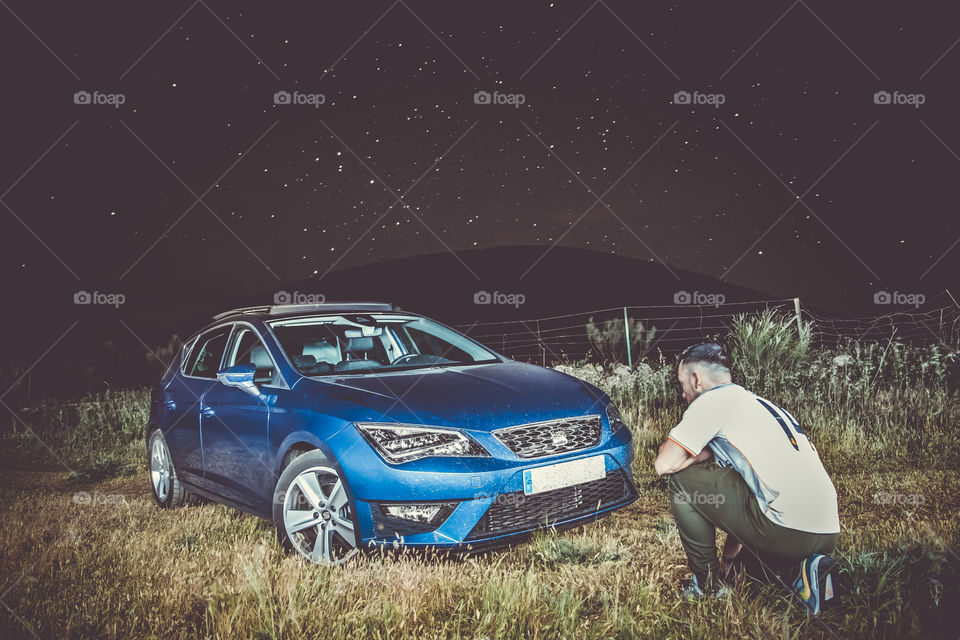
(479,397)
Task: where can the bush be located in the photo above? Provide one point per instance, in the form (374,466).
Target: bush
(769,347)
(97,436)
(610,341)
(898,363)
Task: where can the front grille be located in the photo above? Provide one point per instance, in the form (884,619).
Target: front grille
(512,512)
(551,437)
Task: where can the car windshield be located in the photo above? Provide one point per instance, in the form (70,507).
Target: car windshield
(362,343)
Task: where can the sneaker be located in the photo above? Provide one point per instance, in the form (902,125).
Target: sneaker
(814,585)
(695,592)
(724,592)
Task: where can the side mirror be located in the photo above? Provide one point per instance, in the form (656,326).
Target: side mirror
(240,376)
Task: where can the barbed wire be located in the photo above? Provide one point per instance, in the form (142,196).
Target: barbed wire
(565,337)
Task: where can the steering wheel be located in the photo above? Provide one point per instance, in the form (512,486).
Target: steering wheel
(405,357)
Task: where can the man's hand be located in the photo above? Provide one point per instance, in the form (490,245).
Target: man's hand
(673,458)
(731,549)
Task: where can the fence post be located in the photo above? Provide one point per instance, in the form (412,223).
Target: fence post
(626,332)
(796,311)
(543,351)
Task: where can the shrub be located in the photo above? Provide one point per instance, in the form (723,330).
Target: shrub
(610,341)
(769,347)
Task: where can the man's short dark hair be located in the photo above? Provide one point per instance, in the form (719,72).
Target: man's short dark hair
(708,353)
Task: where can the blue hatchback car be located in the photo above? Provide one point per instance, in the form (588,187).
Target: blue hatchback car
(358,425)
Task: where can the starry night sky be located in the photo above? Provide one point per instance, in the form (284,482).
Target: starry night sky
(199,184)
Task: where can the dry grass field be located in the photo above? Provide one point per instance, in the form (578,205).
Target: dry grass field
(87,554)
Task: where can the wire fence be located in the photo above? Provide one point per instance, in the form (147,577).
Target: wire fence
(566,338)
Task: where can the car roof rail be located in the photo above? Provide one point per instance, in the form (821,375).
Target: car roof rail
(281,309)
(234,312)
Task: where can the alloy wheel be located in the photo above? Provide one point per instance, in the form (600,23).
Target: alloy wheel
(318,518)
(160,469)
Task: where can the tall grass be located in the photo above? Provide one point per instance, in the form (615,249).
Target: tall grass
(99,435)
(879,403)
(903,589)
(769,347)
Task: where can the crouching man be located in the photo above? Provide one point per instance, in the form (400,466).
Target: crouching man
(770,492)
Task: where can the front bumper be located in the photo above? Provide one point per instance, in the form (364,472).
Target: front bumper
(491,509)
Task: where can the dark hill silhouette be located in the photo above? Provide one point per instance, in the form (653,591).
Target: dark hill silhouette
(566,280)
(108,346)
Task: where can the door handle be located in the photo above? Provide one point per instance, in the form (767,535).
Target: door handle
(171,405)
(208,412)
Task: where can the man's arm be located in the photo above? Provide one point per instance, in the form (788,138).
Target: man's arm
(673,458)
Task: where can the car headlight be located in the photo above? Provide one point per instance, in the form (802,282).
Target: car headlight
(398,443)
(615,418)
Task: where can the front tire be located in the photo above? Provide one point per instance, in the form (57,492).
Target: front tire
(313,512)
(167,489)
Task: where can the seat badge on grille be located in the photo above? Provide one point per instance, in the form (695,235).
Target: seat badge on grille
(550,437)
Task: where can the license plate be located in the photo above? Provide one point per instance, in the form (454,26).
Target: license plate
(563,474)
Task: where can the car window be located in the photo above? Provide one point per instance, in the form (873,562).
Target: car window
(428,344)
(248,348)
(205,358)
(368,342)
(402,337)
(186,354)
